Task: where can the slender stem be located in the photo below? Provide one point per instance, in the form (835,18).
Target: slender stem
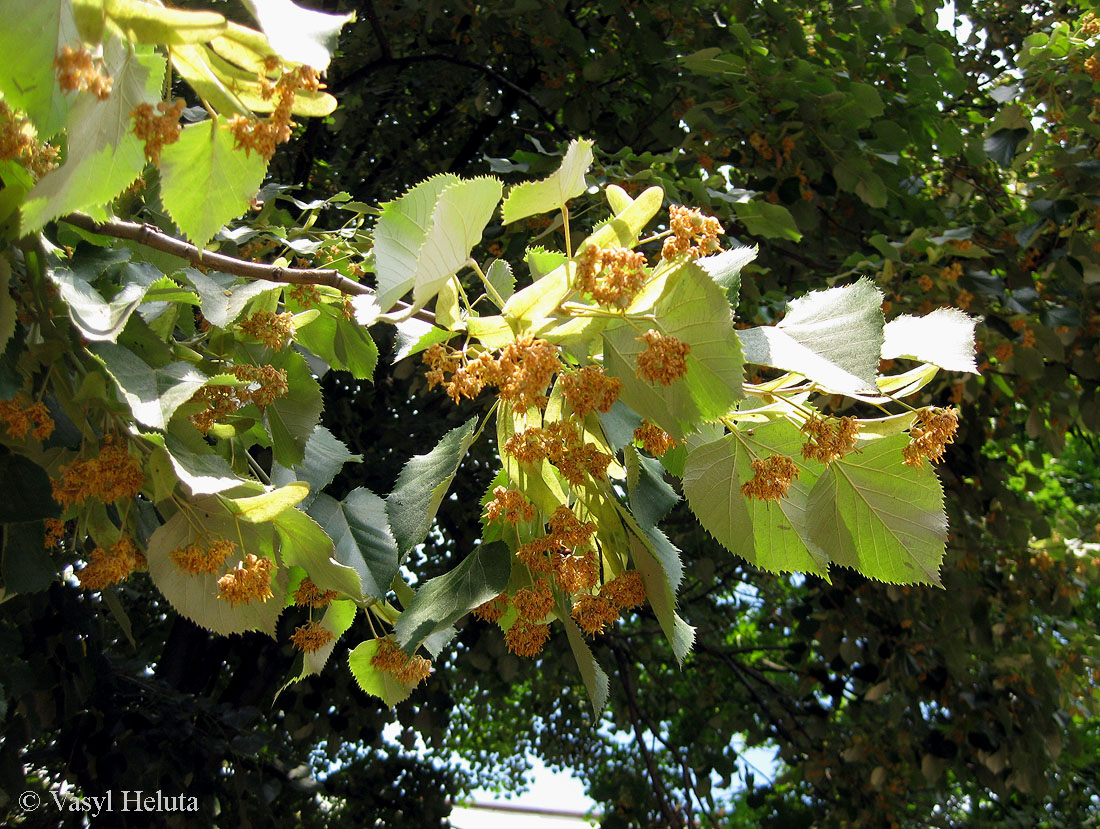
(565,221)
(256,468)
(489,287)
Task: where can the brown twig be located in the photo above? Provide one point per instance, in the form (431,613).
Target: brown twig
(157,239)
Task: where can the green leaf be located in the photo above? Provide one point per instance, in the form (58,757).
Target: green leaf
(768,534)
(202,473)
(359,528)
(104,156)
(423,482)
(222,296)
(324,457)
(7,306)
(28,495)
(196,596)
(423,238)
(870,512)
(30,39)
(299,35)
(292,418)
(337,619)
(944,338)
(145,22)
(97,318)
(303,543)
(205,182)
(1001,145)
(772,221)
(385,686)
(595,679)
(259,509)
(651,497)
(623,228)
(552,193)
(833,337)
(725,268)
(540,298)
(343,344)
(692,308)
(442,601)
(153,394)
(658,562)
(25,564)
(500,276)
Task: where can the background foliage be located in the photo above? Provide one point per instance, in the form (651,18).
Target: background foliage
(843,141)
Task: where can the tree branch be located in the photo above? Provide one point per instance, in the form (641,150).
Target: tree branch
(636,715)
(157,239)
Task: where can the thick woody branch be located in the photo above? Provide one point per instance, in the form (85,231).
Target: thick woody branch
(159,240)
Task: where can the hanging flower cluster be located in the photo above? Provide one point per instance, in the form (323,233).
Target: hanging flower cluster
(664,360)
(18,143)
(78,71)
(522,372)
(692,233)
(110,566)
(311,637)
(828,438)
(157,131)
(249,581)
(929,435)
(198,560)
(772,477)
(389,658)
(20,416)
(265,385)
(589,390)
(655,440)
(611,276)
(112,475)
(262,135)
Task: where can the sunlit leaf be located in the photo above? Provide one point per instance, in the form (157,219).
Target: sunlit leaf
(205,182)
(298,34)
(153,394)
(385,686)
(359,528)
(944,338)
(567,182)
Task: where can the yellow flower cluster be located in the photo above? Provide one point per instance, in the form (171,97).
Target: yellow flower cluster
(266,384)
(590,390)
(262,135)
(308,594)
(55,531)
(19,413)
(562,444)
(157,131)
(269,328)
(492,610)
(77,70)
(526,638)
(593,613)
(522,372)
(18,142)
(411,670)
(828,439)
(311,637)
(535,602)
(692,233)
(611,276)
(111,476)
(249,581)
(663,361)
(196,561)
(510,505)
(655,440)
(930,433)
(772,477)
(107,567)
(952,272)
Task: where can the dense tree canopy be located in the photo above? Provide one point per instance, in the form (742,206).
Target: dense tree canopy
(873,145)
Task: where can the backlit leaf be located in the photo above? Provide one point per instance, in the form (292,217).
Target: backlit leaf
(205,182)
(833,337)
(567,182)
(385,686)
(359,528)
(944,338)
